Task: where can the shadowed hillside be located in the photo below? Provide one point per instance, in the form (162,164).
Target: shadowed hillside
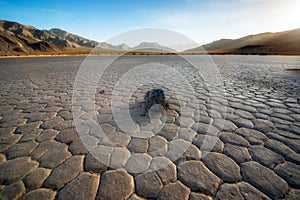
(19,39)
(286,43)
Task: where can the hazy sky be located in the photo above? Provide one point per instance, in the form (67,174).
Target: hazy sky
(202,21)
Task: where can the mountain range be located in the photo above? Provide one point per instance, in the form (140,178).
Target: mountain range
(283,43)
(16,38)
(19,39)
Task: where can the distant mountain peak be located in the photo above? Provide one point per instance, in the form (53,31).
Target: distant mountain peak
(58,32)
(123,46)
(152,46)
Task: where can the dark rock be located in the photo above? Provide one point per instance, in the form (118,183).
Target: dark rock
(155,96)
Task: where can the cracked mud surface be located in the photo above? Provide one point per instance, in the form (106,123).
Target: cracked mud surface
(44,154)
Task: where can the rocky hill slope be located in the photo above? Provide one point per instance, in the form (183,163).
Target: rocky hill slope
(286,43)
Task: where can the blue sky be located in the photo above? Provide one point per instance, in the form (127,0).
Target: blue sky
(202,21)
